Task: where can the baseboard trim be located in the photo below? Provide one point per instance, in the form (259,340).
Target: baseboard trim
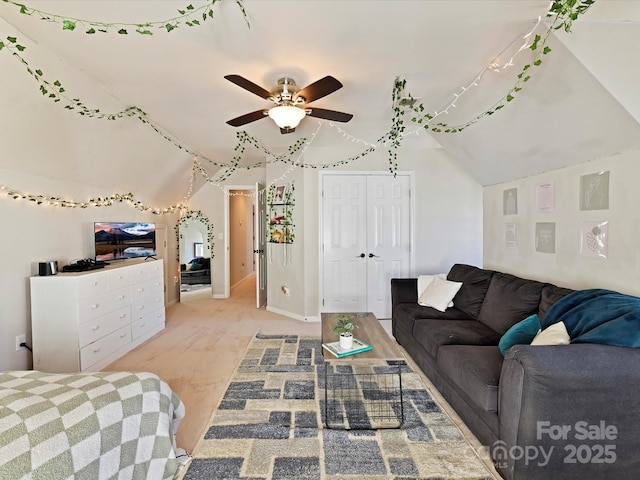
(295,316)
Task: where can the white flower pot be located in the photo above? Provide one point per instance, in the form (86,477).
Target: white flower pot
(346,341)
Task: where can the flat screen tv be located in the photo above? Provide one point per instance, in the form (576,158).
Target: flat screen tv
(124,240)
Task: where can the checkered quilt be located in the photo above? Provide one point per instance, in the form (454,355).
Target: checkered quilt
(104,425)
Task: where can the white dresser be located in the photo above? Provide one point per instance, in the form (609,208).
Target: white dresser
(85,321)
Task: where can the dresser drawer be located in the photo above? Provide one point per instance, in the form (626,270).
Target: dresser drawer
(105,346)
(92,330)
(95,307)
(146,306)
(92,284)
(147,288)
(154,269)
(148,323)
(118,278)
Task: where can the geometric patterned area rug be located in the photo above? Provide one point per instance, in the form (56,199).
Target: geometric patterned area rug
(272,423)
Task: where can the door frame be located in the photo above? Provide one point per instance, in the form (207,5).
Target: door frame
(412,217)
(161,252)
(227,247)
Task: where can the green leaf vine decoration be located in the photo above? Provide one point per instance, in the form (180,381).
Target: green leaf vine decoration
(190,16)
(568,11)
(196,215)
(564,13)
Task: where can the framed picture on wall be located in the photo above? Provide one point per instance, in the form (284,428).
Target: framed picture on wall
(594,191)
(546,237)
(594,239)
(510,201)
(278,195)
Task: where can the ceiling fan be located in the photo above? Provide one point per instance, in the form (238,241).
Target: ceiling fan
(291,102)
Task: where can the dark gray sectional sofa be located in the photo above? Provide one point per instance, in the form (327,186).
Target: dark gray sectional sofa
(545,412)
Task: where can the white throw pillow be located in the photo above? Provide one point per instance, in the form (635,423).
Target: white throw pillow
(439,294)
(424,281)
(555,334)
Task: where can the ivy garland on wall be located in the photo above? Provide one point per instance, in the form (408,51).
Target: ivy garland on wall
(564,12)
(92,202)
(198,216)
(188,16)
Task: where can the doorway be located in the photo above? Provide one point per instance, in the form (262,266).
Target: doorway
(367,238)
(241,235)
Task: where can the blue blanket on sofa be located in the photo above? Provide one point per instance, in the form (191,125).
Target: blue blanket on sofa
(598,316)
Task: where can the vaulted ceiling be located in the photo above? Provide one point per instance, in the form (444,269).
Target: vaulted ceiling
(579,105)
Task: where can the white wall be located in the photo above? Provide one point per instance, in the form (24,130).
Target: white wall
(34,233)
(287,263)
(567,267)
(448,229)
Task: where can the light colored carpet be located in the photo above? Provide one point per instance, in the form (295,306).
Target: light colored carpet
(201,346)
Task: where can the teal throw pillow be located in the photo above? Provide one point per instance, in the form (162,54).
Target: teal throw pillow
(522,333)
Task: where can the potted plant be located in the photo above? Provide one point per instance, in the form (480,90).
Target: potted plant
(344,327)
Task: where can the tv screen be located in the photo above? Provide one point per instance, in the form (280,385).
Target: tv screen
(123,240)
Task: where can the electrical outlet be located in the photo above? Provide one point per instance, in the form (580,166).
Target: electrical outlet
(20,339)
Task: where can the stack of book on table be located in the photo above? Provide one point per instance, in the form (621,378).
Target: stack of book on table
(358,347)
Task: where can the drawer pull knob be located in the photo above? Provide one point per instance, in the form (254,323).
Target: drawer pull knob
(97,305)
(141,290)
(95,328)
(123,315)
(96,350)
(121,297)
(123,335)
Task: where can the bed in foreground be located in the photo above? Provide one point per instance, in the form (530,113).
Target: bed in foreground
(99,425)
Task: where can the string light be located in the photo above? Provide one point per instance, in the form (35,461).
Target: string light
(391,140)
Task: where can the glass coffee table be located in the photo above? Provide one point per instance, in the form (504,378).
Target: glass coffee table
(363,391)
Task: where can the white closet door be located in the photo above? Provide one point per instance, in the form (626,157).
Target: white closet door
(344,243)
(366,241)
(388,238)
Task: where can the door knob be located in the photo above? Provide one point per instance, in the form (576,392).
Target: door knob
(371,255)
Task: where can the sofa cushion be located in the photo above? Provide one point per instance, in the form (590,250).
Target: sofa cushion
(413,311)
(475,370)
(475,282)
(522,333)
(509,299)
(439,294)
(556,334)
(432,334)
(424,281)
(550,295)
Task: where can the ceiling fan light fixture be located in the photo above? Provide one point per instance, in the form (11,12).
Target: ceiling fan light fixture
(287,116)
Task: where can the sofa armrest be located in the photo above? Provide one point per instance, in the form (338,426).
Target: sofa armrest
(574,407)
